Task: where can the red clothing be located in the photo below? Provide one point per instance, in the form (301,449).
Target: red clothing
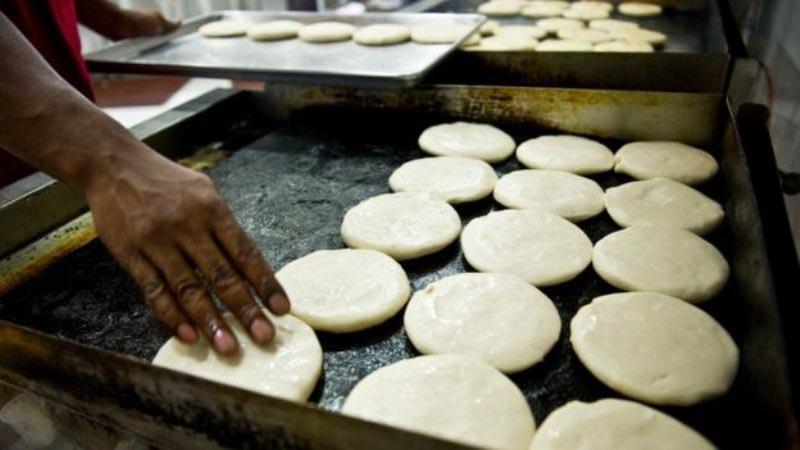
(52,27)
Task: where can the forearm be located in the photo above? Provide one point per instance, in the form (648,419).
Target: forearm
(104,17)
(48,124)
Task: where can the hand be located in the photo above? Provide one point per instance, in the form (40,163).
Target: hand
(138,23)
(164,223)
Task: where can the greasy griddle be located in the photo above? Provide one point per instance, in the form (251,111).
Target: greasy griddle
(289,189)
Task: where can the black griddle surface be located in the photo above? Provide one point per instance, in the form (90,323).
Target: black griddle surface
(290,189)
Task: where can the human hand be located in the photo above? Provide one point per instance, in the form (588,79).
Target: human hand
(164,223)
(139,23)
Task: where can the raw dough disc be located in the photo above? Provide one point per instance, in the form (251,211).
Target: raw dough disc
(505,43)
(565,152)
(613,424)
(564,194)
(656,259)
(624,47)
(472,40)
(563,45)
(471,140)
(592,4)
(586,13)
(612,24)
(639,35)
(438,33)
(274,30)
(452,397)
(327,32)
(589,35)
(404,225)
(639,9)
(452,178)
(382,34)
(345,290)
(543,9)
(542,248)
(500,7)
(553,24)
(528,31)
(651,159)
(654,348)
(488,27)
(496,317)
(287,368)
(662,202)
(224,28)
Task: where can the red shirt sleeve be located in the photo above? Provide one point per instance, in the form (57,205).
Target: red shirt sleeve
(52,27)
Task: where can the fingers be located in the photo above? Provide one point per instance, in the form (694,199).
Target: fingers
(191,295)
(168,26)
(160,300)
(224,279)
(251,263)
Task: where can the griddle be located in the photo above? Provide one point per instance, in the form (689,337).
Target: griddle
(300,157)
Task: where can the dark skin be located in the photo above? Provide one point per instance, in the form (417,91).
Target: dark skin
(165,224)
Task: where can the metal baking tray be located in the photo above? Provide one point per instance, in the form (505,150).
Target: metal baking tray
(185,52)
(300,156)
(694,59)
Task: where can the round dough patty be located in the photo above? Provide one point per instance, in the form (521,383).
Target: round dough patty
(327,32)
(514,42)
(651,159)
(553,24)
(500,7)
(564,194)
(382,34)
(589,35)
(288,367)
(544,8)
(224,28)
(438,33)
(663,202)
(624,47)
(638,9)
(655,259)
(404,225)
(452,178)
(274,30)
(498,318)
(563,45)
(471,140)
(613,424)
(654,348)
(452,397)
(568,153)
(586,13)
(345,290)
(529,31)
(639,35)
(612,24)
(488,27)
(542,248)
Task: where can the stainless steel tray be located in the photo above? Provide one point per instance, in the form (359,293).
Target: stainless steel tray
(185,52)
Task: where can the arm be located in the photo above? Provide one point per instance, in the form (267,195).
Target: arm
(160,220)
(116,23)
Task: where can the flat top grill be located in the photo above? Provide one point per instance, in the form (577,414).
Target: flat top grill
(290,188)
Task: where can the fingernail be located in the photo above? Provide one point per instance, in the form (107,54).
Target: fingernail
(278,303)
(224,342)
(261,331)
(186,333)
